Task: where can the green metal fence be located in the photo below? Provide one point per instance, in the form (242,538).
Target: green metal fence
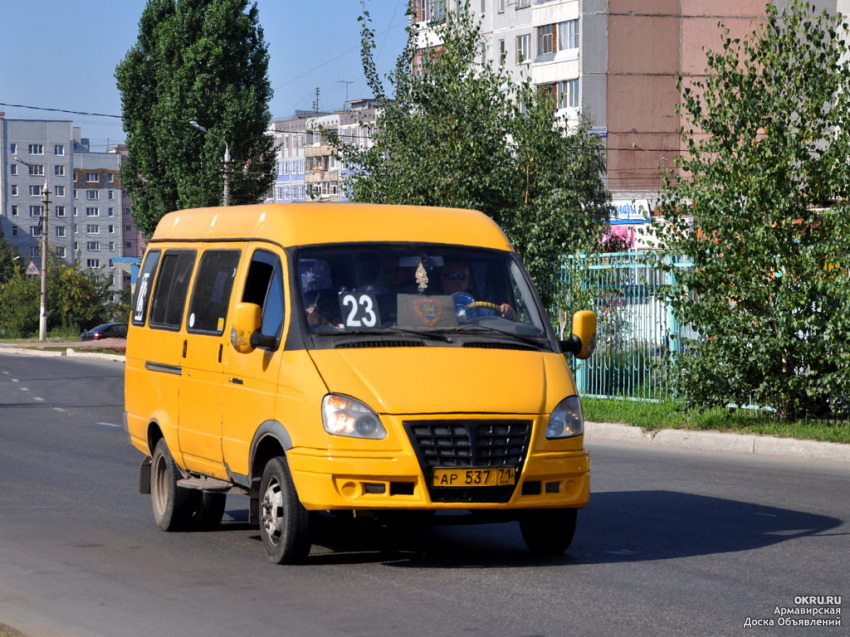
(637,333)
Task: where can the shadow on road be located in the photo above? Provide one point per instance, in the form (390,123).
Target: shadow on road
(622,526)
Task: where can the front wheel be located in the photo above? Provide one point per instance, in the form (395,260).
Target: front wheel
(284,522)
(173,506)
(548,531)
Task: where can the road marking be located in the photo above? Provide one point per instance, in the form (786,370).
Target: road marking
(15,380)
(108,424)
(38,398)
(25,388)
(58,409)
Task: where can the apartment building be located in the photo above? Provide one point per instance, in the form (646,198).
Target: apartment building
(88,215)
(616,62)
(308,168)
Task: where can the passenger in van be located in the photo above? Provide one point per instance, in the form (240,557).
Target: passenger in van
(455,279)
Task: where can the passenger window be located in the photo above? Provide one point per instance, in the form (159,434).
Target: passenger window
(211,295)
(264,286)
(172,285)
(144,285)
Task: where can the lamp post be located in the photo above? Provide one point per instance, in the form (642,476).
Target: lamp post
(225,197)
(42,311)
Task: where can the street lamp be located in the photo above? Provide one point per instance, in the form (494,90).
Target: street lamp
(225,198)
(42,312)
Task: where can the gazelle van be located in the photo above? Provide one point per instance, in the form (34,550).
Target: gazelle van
(350,358)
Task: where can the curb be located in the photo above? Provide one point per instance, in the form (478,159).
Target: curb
(716,441)
(70,351)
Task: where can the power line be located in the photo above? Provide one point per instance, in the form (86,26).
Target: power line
(58,110)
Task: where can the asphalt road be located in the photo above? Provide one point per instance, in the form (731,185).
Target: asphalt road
(673,543)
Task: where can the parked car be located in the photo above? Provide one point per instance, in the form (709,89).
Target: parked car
(107,330)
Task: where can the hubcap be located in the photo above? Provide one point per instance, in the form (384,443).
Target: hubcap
(272,517)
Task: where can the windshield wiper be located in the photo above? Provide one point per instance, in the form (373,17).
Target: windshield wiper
(383,331)
(528,340)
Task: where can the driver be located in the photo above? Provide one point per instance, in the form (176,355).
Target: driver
(455,280)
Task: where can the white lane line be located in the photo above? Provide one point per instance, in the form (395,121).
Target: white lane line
(58,409)
(38,398)
(25,388)
(108,424)
(15,380)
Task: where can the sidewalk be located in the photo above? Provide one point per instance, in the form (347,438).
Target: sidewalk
(594,431)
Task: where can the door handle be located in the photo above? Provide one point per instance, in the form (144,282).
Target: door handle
(235,381)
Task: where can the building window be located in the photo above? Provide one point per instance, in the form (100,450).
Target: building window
(286,168)
(93,246)
(59,150)
(35,191)
(503,52)
(60,252)
(521,4)
(568,94)
(35,251)
(60,231)
(14,210)
(36,170)
(13,149)
(14,231)
(430,10)
(59,211)
(111,229)
(568,35)
(546,39)
(36,211)
(110,178)
(112,247)
(92,263)
(35,231)
(110,194)
(126,211)
(92,178)
(13,170)
(59,191)
(92,229)
(14,191)
(110,212)
(59,170)
(92,212)
(92,194)
(36,149)
(523,48)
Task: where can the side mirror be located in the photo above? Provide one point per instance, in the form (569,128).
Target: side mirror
(582,341)
(247,319)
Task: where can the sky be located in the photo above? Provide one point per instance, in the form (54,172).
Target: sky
(62,54)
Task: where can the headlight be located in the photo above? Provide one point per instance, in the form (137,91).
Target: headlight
(566,419)
(346,416)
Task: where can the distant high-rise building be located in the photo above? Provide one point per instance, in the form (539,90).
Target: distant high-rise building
(89,219)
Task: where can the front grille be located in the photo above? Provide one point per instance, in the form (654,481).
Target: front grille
(469,443)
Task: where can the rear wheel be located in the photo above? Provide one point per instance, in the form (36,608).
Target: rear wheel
(173,506)
(284,522)
(548,531)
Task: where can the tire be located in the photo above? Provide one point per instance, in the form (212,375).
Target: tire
(284,522)
(548,531)
(173,506)
(209,510)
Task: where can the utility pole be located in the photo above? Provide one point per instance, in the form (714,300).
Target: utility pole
(42,310)
(42,316)
(225,196)
(316,102)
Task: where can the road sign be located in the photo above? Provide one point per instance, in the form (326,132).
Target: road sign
(32,269)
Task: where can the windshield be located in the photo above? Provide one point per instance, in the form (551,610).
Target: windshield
(427,290)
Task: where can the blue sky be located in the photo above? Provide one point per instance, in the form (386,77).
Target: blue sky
(62,54)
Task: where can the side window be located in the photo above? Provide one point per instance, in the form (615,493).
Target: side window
(211,294)
(264,287)
(172,285)
(144,285)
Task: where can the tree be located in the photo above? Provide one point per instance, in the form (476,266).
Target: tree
(202,60)
(766,177)
(456,133)
(10,261)
(78,299)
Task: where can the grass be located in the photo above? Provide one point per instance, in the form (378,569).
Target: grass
(653,416)
(8,631)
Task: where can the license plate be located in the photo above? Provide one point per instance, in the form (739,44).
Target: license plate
(490,477)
